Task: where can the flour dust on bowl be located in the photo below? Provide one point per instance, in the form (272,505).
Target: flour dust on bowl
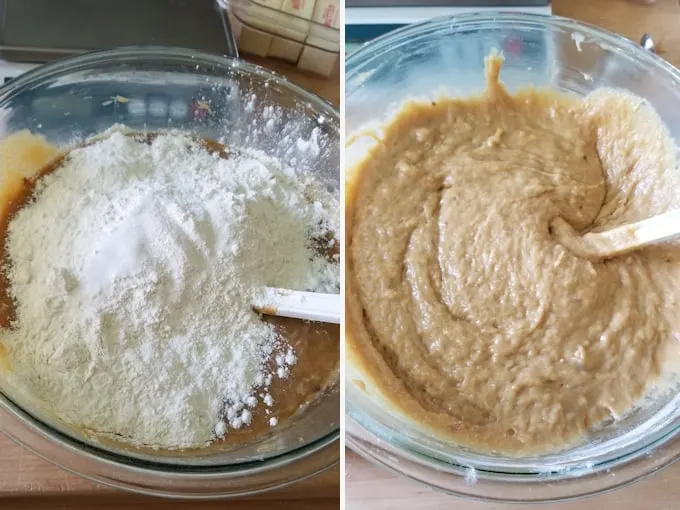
(498,363)
(149,197)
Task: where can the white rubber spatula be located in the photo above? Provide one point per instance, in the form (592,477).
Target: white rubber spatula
(311,306)
(623,239)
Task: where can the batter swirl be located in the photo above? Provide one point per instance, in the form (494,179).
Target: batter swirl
(464,308)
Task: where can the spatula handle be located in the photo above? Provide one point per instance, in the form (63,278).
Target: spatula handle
(312,306)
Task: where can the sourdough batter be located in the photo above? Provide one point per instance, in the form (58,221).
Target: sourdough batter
(466,310)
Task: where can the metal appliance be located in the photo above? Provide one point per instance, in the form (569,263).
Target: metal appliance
(36,31)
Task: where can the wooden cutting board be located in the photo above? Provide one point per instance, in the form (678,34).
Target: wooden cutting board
(29,482)
(371,488)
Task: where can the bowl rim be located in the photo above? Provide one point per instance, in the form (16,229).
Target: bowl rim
(404,35)
(178,53)
(364,434)
(139,465)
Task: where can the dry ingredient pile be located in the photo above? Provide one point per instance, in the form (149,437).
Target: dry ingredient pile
(132,270)
(466,310)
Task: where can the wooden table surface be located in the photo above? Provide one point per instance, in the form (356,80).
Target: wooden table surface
(29,482)
(369,487)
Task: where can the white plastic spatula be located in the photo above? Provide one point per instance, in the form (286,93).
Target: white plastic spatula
(311,306)
(622,239)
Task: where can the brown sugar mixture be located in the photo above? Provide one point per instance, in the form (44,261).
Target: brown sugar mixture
(316,346)
(462,306)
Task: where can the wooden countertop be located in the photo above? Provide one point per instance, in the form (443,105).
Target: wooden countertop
(631,19)
(374,488)
(29,482)
(328,88)
(369,487)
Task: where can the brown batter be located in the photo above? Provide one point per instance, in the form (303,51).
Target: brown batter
(463,308)
(24,158)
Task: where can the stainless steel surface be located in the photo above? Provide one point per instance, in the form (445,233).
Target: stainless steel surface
(232,47)
(43,30)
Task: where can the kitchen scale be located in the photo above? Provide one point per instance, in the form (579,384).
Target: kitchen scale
(37,31)
(368,19)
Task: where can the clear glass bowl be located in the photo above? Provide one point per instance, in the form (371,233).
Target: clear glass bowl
(149,89)
(445,56)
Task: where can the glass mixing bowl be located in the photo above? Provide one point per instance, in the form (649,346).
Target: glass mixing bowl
(214,97)
(445,56)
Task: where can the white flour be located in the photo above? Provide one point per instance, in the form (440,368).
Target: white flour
(133,273)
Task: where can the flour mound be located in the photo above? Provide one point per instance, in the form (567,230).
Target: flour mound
(133,271)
